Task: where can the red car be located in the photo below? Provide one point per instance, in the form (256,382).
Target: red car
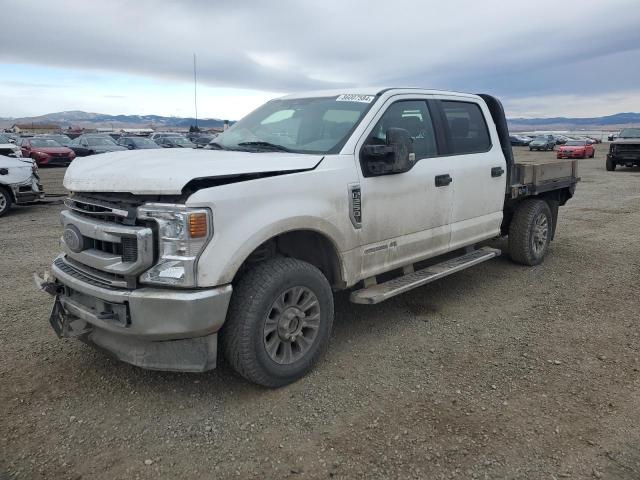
(46,151)
(576,149)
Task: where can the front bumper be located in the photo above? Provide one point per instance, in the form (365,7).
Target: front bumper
(156,328)
(29,191)
(571,154)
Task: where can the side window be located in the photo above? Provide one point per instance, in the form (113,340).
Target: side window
(413,116)
(468,131)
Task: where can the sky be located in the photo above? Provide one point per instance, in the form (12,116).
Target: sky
(545,58)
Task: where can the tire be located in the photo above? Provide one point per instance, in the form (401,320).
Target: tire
(255,324)
(530,149)
(530,232)
(610,165)
(5,201)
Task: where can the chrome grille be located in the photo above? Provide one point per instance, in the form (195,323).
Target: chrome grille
(112,248)
(100,210)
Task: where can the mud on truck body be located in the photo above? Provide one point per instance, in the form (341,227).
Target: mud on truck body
(242,245)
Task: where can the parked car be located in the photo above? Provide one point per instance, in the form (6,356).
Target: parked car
(250,241)
(8,148)
(63,140)
(624,150)
(19,182)
(90,144)
(137,143)
(47,152)
(576,149)
(561,139)
(175,142)
(519,141)
(156,136)
(203,141)
(543,142)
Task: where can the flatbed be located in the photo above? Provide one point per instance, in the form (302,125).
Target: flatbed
(532,177)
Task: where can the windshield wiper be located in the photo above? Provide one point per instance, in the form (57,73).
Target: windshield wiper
(219,146)
(267,145)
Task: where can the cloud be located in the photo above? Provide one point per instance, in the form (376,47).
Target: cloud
(515,49)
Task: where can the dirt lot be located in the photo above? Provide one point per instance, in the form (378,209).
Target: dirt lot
(500,371)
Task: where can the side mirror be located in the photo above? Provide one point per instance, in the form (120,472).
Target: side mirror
(396,156)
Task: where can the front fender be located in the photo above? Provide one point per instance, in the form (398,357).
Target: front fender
(247,214)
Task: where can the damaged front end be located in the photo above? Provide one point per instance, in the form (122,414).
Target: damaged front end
(108,246)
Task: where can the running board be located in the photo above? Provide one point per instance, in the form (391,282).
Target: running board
(384,291)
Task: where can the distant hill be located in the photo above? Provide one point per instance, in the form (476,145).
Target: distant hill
(78,118)
(607,122)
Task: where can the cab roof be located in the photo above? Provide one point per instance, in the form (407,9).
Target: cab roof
(375,91)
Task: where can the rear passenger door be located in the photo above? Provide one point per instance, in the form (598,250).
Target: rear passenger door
(477,167)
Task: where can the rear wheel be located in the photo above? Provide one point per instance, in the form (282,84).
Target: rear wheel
(530,232)
(610,165)
(279,321)
(5,201)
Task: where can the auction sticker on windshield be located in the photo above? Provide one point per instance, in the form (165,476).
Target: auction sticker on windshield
(350,97)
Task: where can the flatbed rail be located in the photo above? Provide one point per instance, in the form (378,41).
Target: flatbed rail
(532,177)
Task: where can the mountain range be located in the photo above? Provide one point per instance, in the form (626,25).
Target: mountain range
(77,118)
(94,120)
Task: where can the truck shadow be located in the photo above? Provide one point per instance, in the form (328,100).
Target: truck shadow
(353,325)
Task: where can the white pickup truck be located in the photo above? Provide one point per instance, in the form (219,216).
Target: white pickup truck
(169,253)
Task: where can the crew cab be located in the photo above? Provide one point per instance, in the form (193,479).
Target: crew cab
(624,150)
(19,182)
(170,254)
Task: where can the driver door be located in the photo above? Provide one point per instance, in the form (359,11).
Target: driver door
(405,216)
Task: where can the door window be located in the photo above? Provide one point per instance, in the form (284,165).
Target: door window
(468,131)
(413,116)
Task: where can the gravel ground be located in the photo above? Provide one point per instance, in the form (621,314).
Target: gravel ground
(500,371)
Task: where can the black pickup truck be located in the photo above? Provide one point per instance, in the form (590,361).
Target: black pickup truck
(624,150)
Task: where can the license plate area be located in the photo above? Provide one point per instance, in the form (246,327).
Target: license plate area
(114,313)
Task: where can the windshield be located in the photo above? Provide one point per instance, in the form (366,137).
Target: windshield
(179,140)
(540,139)
(99,141)
(141,142)
(44,142)
(576,143)
(61,139)
(302,125)
(630,133)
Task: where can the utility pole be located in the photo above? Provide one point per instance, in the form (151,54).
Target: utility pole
(195,89)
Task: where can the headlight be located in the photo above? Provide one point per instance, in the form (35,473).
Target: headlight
(183,233)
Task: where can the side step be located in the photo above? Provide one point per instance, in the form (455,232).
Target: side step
(384,291)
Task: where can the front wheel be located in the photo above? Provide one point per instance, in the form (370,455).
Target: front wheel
(5,201)
(530,232)
(279,322)
(610,165)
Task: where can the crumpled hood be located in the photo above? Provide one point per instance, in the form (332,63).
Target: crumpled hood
(167,171)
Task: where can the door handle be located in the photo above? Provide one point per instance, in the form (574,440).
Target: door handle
(497,171)
(443,180)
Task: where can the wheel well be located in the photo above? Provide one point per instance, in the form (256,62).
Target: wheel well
(306,245)
(554,198)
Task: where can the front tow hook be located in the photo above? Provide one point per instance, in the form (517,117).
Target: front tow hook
(46,284)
